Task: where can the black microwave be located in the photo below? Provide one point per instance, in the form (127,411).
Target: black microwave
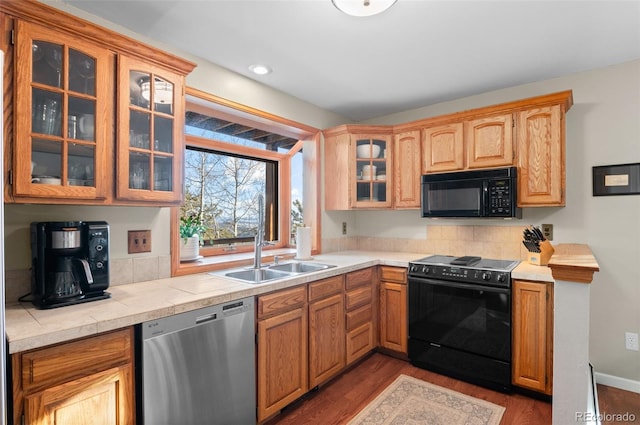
(478,193)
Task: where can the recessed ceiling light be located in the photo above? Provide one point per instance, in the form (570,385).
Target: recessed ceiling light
(260,69)
(362,8)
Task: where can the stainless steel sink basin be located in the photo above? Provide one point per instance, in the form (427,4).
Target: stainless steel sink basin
(300,267)
(273,272)
(257,276)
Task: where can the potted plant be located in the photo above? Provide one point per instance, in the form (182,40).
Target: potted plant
(190,229)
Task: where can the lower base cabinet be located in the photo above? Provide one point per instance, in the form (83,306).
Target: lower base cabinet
(532,329)
(87,381)
(282,349)
(393,309)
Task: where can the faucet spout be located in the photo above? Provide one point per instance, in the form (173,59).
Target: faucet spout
(259,238)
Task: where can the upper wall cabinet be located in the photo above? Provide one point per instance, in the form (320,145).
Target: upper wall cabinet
(541,161)
(442,148)
(482,142)
(406,169)
(358,168)
(96,118)
(151,121)
(489,141)
(63,120)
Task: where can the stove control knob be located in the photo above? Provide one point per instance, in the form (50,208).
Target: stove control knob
(501,277)
(413,268)
(425,269)
(486,276)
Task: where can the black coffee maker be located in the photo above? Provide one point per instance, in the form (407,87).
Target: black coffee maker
(70,262)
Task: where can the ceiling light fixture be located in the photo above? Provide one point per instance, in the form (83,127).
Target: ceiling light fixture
(362,7)
(260,69)
(162,90)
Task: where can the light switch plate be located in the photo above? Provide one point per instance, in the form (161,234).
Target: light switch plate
(547,231)
(139,241)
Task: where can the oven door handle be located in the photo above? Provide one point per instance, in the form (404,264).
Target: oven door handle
(459,285)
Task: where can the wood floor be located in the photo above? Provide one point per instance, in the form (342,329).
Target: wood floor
(614,401)
(344,397)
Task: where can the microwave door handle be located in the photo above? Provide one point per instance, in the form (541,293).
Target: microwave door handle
(485,199)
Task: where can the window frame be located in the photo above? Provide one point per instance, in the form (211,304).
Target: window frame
(308,137)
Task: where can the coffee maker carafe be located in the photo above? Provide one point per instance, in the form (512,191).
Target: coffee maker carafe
(70,262)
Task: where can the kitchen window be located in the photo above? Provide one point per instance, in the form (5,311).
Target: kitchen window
(231,155)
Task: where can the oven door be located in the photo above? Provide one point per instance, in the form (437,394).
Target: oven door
(471,318)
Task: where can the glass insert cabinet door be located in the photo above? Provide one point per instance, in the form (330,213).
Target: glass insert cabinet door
(151,125)
(372,185)
(62,108)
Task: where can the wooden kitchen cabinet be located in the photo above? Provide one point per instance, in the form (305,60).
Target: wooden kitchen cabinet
(96,118)
(541,156)
(393,320)
(151,118)
(407,169)
(442,148)
(326,329)
(489,141)
(358,167)
(532,361)
(90,380)
(360,313)
(282,349)
(64,116)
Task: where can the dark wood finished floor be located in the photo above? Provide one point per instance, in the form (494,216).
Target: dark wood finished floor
(614,401)
(344,397)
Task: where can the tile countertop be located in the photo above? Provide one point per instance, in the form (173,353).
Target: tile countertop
(28,327)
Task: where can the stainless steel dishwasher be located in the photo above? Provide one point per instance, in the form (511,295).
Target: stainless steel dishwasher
(198,367)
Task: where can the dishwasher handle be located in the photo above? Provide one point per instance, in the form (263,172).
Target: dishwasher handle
(206,318)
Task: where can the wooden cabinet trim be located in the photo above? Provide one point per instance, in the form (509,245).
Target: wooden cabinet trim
(281,301)
(325,287)
(66,23)
(359,278)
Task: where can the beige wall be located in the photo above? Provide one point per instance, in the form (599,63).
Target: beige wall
(602,128)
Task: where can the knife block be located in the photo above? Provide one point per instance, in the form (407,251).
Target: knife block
(541,258)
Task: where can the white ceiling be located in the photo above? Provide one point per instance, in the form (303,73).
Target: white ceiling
(417,53)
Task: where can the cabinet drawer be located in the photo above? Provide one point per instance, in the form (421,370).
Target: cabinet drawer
(393,274)
(358,297)
(359,278)
(325,287)
(65,362)
(281,301)
(359,316)
(359,342)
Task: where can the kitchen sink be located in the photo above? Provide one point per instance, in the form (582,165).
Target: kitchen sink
(300,267)
(273,272)
(257,276)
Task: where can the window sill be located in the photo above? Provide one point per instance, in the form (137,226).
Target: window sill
(227,261)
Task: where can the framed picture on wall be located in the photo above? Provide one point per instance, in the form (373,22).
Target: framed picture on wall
(620,179)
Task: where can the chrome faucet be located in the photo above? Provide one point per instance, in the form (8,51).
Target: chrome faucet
(259,241)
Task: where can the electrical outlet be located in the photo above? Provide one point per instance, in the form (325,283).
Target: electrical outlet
(547,231)
(631,341)
(139,241)
(344,227)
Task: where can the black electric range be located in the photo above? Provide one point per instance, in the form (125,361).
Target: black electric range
(460,318)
